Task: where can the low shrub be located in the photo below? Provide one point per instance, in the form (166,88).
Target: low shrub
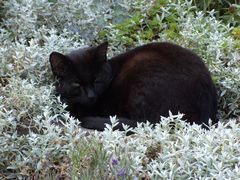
(39,139)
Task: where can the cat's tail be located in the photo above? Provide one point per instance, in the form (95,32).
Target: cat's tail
(99,123)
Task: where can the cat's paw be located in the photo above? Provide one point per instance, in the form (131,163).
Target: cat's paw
(95,123)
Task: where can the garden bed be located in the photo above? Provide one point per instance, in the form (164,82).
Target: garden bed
(38,137)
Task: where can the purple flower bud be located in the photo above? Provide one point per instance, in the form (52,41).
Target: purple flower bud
(114,160)
(121,172)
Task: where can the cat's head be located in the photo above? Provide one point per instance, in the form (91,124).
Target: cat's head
(82,75)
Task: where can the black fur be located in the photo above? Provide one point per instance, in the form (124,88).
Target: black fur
(141,84)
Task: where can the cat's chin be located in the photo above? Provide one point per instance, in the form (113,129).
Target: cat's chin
(79,101)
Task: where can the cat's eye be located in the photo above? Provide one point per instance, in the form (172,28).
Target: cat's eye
(75,84)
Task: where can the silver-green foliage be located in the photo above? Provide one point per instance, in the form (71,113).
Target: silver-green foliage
(37,133)
(185,152)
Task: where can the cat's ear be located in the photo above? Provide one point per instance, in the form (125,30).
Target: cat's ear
(58,63)
(101,52)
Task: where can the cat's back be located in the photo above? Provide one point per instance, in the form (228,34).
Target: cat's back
(159,59)
(166,54)
(157,50)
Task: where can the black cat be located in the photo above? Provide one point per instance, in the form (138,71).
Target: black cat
(139,85)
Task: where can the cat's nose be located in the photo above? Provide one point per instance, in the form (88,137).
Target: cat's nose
(91,93)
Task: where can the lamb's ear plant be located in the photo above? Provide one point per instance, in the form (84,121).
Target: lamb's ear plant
(85,158)
(38,137)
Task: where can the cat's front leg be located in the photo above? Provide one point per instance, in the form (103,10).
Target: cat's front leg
(99,123)
(94,122)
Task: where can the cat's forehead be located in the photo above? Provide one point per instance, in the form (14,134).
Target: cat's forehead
(81,61)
